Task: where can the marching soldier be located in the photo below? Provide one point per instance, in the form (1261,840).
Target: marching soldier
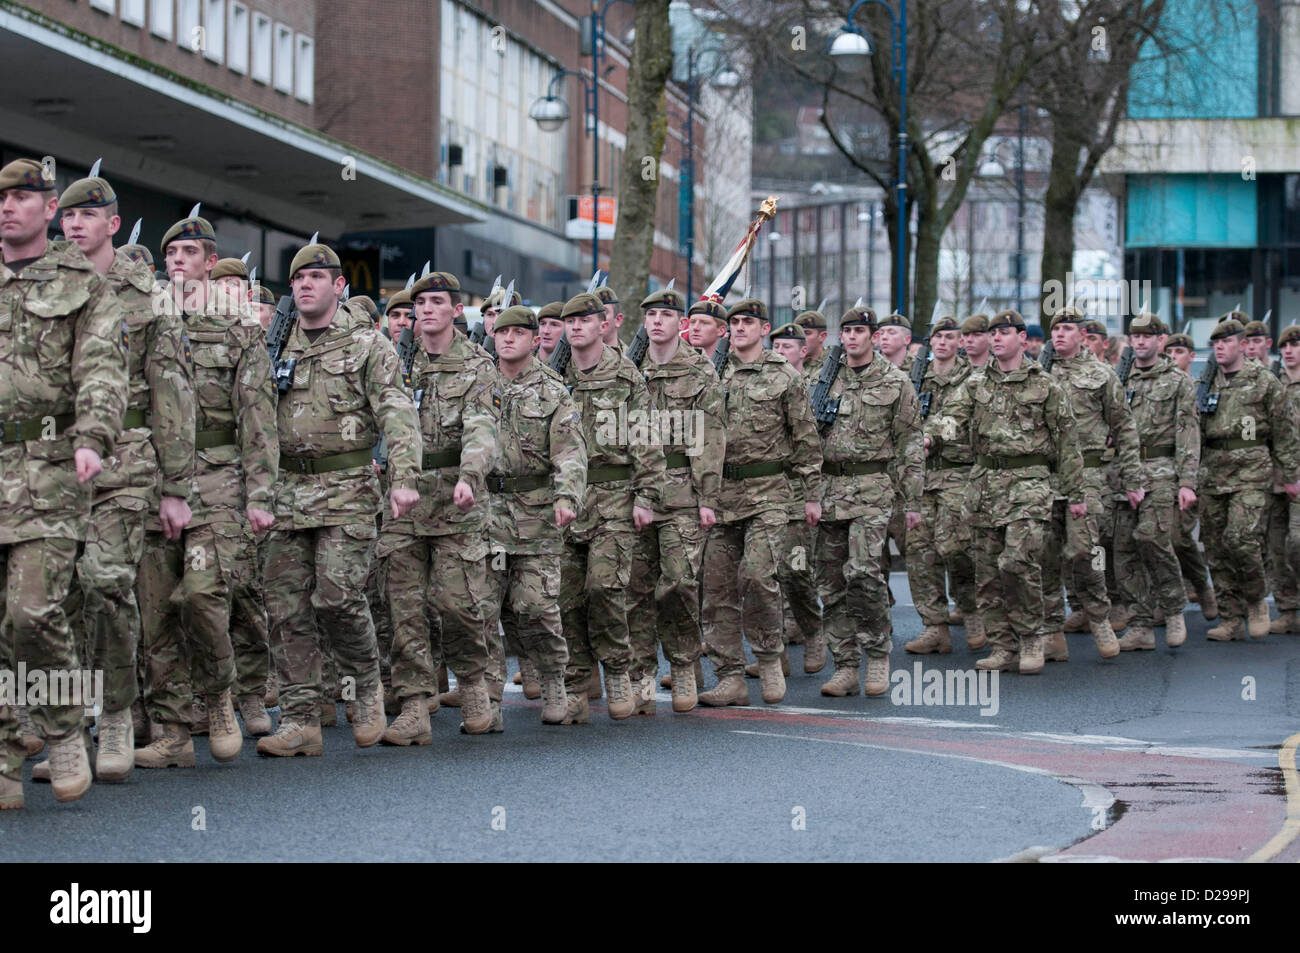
(708,321)
(399,314)
(1163,401)
(1103,419)
(613,317)
(877,429)
(537,490)
(663,598)
(940,544)
(1181,351)
(814,331)
(975,340)
(1250,431)
(1018,421)
(769,427)
(1256,342)
(624,476)
(1096,336)
(62,401)
(151,467)
(263,302)
(189,648)
(343,391)
(893,335)
(437,555)
(1284,517)
(550,328)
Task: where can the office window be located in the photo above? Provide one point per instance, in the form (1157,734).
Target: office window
(105,6)
(304,74)
(161,18)
(261,48)
(237,38)
(214,29)
(283,58)
(187,25)
(133,12)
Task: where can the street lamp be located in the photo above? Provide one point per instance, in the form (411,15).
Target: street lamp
(851,49)
(992,167)
(551,112)
(869,219)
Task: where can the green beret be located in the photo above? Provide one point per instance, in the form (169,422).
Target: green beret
(263,295)
(138,253)
(188,228)
(27,175)
(862,315)
(791,330)
(1241,317)
(1180,340)
(894,320)
(1289,335)
(669,298)
(582,305)
(1009,318)
(606,295)
(434,281)
(709,309)
(811,319)
(517,316)
(314,256)
(1069,315)
(497,299)
(751,307)
(88,193)
(229,268)
(366,304)
(947,323)
(1255,329)
(1095,327)
(1146,323)
(1226,328)
(399,299)
(551,312)
(975,324)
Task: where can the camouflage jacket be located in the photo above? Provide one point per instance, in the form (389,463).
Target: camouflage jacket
(955,456)
(1253,415)
(879,420)
(460,407)
(812,369)
(1019,413)
(688,409)
(1164,410)
(768,420)
(615,408)
(64,381)
(1102,418)
(236,454)
(1292,390)
(155,458)
(540,435)
(347,391)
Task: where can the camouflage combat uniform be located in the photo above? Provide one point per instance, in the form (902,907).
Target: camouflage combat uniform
(346,392)
(801,612)
(1283,550)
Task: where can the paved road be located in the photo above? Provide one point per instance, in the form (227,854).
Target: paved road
(1152,756)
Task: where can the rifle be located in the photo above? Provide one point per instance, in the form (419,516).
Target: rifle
(1277,368)
(636,351)
(1124,369)
(1047,356)
(559,361)
(1207,402)
(286,316)
(478,334)
(406,354)
(824,409)
(920,362)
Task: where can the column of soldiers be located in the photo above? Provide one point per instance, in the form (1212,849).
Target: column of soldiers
(186,515)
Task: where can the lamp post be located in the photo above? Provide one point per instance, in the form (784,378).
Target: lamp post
(994,168)
(869,217)
(550,112)
(598,12)
(852,49)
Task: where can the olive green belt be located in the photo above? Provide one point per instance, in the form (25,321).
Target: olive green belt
(677,461)
(1167,450)
(1012,463)
(748,471)
(851,468)
(619,473)
(938,463)
(1092,461)
(437,459)
(207,439)
(498,483)
(328,464)
(134,418)
(1235,443)
(13,431)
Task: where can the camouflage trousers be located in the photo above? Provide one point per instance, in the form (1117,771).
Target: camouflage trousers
(796,575)
(315,583)
(249,635)
(1075,552)
(185,589)
(898,533)
(1145,563)
(940,557)
(109,616)
(531,582)
(1233,526)
(1190,559)
(1282,551)
(594,576)
(664,593)
(1009,591)
(854,588)
(741,592)
(377,597)
(444,577)
(35,577)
